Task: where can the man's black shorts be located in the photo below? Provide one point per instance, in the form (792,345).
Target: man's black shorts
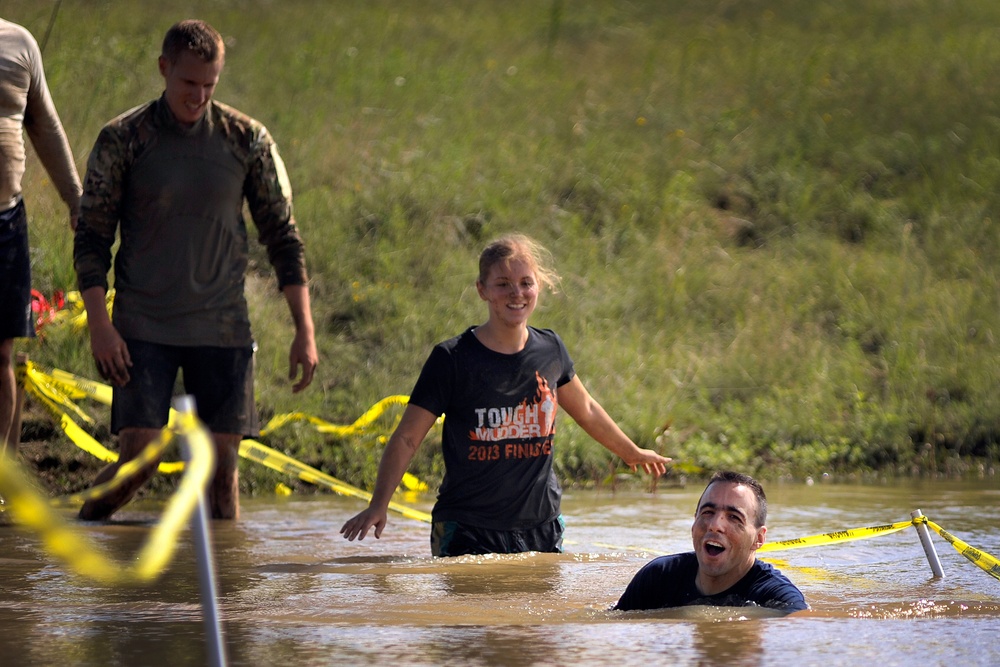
(219,378)
(16,319)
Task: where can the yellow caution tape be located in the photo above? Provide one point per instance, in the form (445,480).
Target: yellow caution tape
(74,386)
(985,561)
(55,396)
(414,484)
(32,510)
(982,559)
(43,387)
(359,426)
(255,451)
(988,563)
(55,388)
(835,537)
(98,391)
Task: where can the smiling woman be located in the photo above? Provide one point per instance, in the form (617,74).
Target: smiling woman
(499,385)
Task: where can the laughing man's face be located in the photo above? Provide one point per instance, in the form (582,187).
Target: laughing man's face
(189,85)
(724,535)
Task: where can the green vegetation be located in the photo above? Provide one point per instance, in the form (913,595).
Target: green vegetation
(777,223)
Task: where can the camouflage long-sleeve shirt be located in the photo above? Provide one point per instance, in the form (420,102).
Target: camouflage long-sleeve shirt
(175,195)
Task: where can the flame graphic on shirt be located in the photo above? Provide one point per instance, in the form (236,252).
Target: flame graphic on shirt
(531,419)
(548,403)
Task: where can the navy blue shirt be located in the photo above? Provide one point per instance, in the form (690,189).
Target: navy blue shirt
(669,581)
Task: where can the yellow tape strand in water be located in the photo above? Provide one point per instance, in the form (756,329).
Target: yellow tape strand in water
(985,561)
(32,510)
(56,388)
(147,456)
(46,389)
(255,451)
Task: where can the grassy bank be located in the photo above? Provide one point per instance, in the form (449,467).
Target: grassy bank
(776,222)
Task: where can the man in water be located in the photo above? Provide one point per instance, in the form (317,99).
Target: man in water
(723,570)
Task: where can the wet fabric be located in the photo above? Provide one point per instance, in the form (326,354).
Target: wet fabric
(174,194)
(16,318)
(26,107)
(219,379)
(500,415)
(451,538)
(669,581)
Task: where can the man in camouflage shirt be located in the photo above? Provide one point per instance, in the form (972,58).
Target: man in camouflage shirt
(170,177)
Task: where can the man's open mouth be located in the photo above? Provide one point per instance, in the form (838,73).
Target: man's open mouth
(714,548)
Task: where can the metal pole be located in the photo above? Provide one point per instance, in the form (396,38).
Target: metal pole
(203,553)
(925,540)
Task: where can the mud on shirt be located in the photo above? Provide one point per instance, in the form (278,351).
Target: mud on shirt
(174,195)
(669,581)
(500,416)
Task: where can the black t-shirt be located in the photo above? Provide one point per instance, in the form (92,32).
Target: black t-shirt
(500,414)
(668,581)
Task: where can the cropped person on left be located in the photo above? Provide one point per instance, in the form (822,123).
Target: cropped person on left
(25,106)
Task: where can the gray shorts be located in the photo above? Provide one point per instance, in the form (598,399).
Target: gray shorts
(16,318)
(219,378)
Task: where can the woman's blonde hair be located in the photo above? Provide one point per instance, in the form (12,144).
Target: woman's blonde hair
(513,247)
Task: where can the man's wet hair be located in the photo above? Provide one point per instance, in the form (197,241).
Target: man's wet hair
(195,36)
(732,477)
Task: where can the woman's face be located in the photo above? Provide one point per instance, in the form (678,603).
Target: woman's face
(511,292)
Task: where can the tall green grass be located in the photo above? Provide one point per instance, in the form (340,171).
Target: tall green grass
(776,222)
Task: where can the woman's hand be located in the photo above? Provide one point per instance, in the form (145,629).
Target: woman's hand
(359,525)
(651,462)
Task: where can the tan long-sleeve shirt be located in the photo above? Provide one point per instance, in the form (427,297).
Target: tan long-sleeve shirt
(25,104)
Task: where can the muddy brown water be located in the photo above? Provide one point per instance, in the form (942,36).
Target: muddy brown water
(293,592)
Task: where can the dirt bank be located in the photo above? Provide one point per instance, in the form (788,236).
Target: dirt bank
(58,465)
